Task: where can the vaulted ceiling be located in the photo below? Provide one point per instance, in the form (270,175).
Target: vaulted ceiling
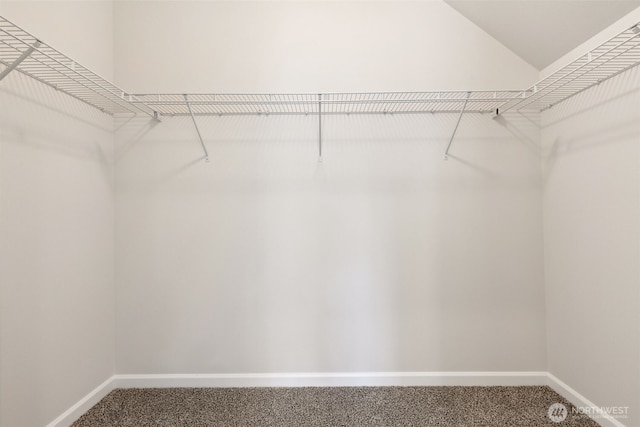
(542,31)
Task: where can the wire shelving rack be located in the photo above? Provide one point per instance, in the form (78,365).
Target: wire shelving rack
(613,57)
(325,103)
(22,52)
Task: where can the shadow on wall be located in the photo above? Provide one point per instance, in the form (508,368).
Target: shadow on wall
(43,102)
(596,97)
(614,102)
(37,116)
(129,131)
(524,126)
(242,148)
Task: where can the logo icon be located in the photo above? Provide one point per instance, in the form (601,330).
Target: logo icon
(557,412)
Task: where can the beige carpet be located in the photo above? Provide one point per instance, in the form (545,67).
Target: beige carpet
(334,406)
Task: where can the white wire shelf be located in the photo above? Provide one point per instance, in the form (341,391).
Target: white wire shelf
(23,52)
(326,103)
(20,51)
(611,58)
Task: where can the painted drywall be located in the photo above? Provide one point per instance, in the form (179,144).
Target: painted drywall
(612,30)
(309,46)
(543,32)
(56,226)
(592,242)
(592,236)
(382,257)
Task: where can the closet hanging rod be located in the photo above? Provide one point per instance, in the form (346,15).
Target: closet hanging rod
(332,102)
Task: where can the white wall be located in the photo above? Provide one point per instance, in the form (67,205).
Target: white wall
(591,190)
(592,241)
(307,46)
(56,225)
(383,257)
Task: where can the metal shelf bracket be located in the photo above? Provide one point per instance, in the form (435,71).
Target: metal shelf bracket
(320,127)
(193,118)
(464,107)
(21,58)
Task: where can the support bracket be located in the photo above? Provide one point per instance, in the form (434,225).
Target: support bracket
(464,107)
(193,118)
(320,126)
(21,58)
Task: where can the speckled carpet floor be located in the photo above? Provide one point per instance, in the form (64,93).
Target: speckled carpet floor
(334,406)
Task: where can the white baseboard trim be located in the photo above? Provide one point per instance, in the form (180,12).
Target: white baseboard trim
(83,405)
(578,400)
(333,379)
